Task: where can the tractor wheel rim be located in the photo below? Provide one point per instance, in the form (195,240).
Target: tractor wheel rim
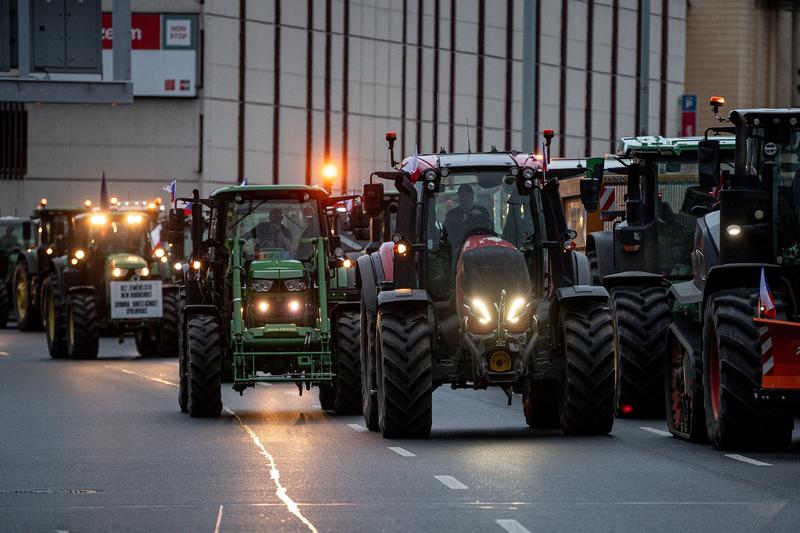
(714,375)
(22,298)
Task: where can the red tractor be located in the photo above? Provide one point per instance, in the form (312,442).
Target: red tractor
(480,287)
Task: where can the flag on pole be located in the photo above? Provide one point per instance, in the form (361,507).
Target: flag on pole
(766,303)
(104,201)
(412,166)
(244,182)
(545,158)
(171,189)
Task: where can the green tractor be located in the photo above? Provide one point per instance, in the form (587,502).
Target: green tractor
(646,251)
(16,236)
(33,263)
(104,285)
(260,294)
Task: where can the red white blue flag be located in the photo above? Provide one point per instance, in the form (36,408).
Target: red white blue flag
(766,303)
(412,166)
(170,188)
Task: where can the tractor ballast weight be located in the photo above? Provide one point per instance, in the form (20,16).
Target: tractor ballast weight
(463,299)
(731,372)
(256,298)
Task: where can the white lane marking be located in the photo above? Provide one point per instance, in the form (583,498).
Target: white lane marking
(742,458)
(219,519)
(4,354)
(451,482)
(156,380)
(655,431)
(356,427)
(264,384)
(401,451)
(274,474)
(512,526)
(316,406)
(170,363)
(289,393)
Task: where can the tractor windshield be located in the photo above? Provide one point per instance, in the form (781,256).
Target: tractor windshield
(678,193)
(274,228)
(777,154)
(470,203)
(12,235)
(117,233)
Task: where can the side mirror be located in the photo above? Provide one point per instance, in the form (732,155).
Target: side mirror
(26,232)
(176,220)
(373,199)
(708,163)
(590,186)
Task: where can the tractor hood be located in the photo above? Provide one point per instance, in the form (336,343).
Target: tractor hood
(277,269)
(129,261)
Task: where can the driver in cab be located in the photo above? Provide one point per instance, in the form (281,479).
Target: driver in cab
(271,234)
(464,217)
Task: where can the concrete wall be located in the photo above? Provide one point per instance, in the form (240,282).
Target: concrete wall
(142,146)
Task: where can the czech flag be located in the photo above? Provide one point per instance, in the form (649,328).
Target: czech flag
(766,303)
(412,166)
(244,182)
(171,190)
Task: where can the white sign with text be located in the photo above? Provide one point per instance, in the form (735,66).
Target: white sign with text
(136,299)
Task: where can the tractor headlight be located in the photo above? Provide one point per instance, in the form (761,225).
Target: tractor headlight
(98,220)
(518,307)
(294,306)
(261,285)
(295,285)
(144,271)
(480,310)
(262,306)
(79,254)
(134,218)
(119,272)
(178,266)
(159,253)
(734,230)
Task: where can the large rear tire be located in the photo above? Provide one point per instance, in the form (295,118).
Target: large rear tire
(732,371)
(170,323)
(587,400)
(641,320)
(5,304)
(683,385)
(347,390)
(594,266)
(405,386)
(369,387)
(183,365)
(55,320)
(28,317)
(83,334)
(204,374)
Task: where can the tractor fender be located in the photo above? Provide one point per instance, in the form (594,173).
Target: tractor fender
(368,282)
(582,271)
(602,243)
(633,277)
(82,288)
(686,293)
(31,262)
(402,296)
(199,309)
(732,275)
(576,295)
(341,307)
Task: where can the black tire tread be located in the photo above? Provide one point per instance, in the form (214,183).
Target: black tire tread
(170,324)
(32,321)
(86,340)
(347,397)
(204,344)
(5,304)
(57,345)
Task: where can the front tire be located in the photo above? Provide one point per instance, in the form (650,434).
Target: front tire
(540,402)
(683,385)
(369,387)
(55,321)
(28,318)
(5,305)
(82,332)
(405,386)
(170,324)
(641,320)
(183,365)
(732,371)
(204,373)
(587,401)
(347,390)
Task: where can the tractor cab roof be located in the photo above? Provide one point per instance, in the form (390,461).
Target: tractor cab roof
(270,191)
(13,220)
(43,211)
(475,161)
(775,116)
(668,146)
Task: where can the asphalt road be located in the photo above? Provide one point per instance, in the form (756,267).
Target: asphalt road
(101,446)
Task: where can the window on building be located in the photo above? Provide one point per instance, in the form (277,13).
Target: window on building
(13,140)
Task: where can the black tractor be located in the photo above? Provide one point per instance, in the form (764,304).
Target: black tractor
(731,371)
(480,287)
(643,253)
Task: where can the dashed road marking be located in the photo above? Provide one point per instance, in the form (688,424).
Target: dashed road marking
(263,384)
(4,354)
(742,458)
(451,482)
(655,431)
(512,526)
(357,427)
(289,393)
(219,519)
(170,363)
(401,451)
(274,474)
(149,378)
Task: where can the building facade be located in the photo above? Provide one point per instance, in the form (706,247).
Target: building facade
(283,87)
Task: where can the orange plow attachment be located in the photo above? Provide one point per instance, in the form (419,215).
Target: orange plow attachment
(780,357)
